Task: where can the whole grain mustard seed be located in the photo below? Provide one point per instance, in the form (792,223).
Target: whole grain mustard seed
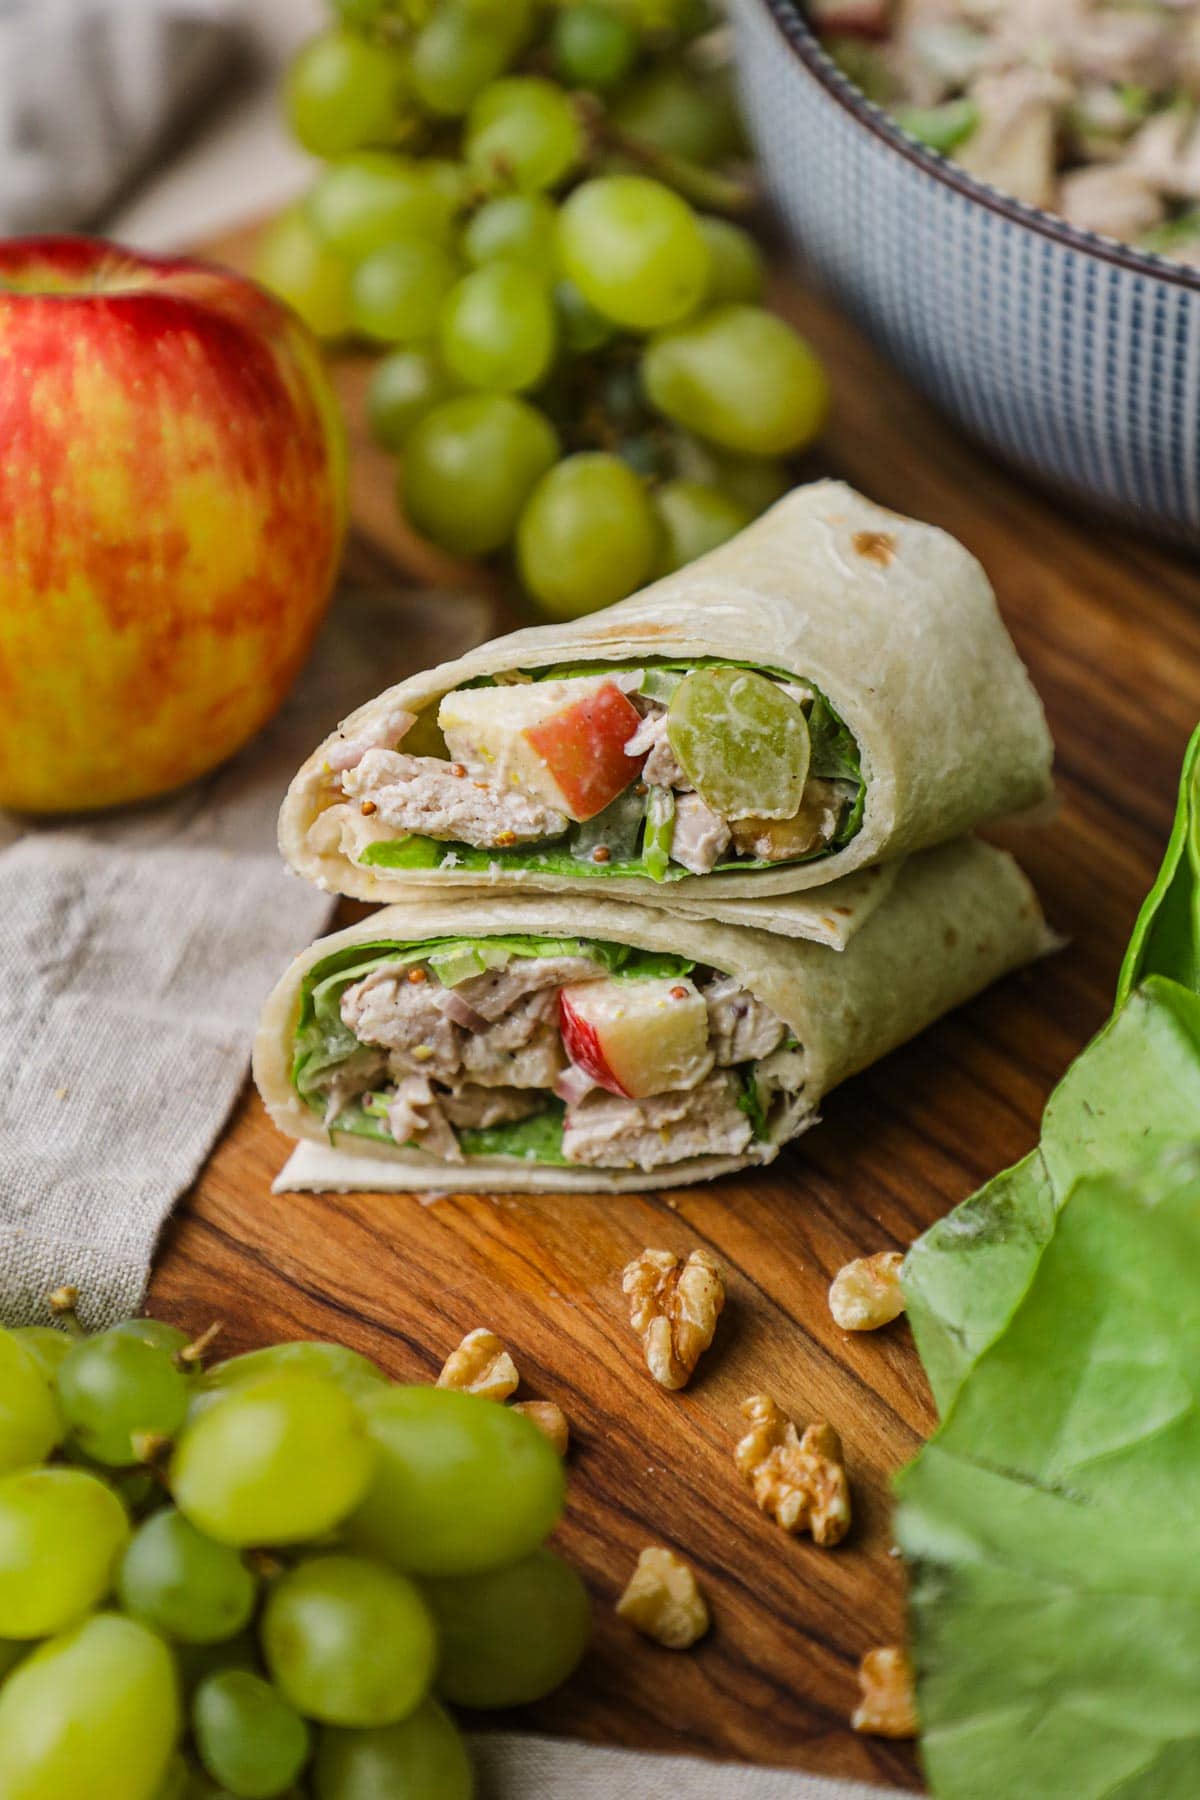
(679,993)
(417,976)
(505,838)
(601,853)
(367,807)
(458,769)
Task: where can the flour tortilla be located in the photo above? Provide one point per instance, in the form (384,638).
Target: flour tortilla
(893,620)
(956,919)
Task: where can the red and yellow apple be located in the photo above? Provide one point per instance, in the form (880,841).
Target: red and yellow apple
(172,503)
(636,1037)
(563,741)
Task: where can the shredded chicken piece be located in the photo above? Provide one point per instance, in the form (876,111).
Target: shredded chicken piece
(523,1049)
(415,1114)
(1116,200)
(403,1015)
(481,1107)
(423,794)
(661,767)
(607,1131)
(700,835)
(493,994)
(741,1028)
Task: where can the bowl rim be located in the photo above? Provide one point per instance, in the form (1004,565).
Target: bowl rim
(802,41)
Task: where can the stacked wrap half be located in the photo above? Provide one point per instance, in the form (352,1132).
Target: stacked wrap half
(886,634)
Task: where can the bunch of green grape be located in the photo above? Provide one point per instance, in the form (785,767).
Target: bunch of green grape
(520,201)
(263,1578)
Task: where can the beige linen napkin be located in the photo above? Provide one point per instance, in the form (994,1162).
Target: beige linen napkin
(513,1767)
(135,952)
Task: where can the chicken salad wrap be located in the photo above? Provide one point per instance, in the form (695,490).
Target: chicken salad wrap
(500,1042)
(831,689)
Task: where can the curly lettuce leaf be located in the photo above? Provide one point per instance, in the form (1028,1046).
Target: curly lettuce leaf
(536,1139)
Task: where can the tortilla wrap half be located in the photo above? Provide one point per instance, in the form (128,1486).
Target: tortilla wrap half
(956,919)
(892,621)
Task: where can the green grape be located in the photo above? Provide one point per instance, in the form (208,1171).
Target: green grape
(365,201)
(512,1635)
(594,46)
(344,91)
(523,133)
(497,328)
(349,1641)
(247,1735)
(397,292)
(46,1344)
(462,49)
(113,1387)
(736,267)
(469,467)
(61,1534)
(450,183)
(421,1758)
(755,482)
(518,227)
(695,518)
(460,1483)
(634,250)
(742,742)
(740,377)
(682,113)
(92,1712)
(356,1375)
(297,264)
(155,1332)
(30,1425)
(278,1460)
(196,1662)
(588,535)
(183,1583)
(404,387)
(580,326)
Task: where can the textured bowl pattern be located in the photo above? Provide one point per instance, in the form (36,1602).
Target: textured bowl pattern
(1073,357)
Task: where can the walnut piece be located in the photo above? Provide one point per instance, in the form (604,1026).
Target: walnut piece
(888,1707)
(663,1602)
(674,1307)
(550,1420)
(481,1365)
(867,1293)
(798,1481)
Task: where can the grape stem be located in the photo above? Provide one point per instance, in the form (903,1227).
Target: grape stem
(64,1304)
(192,1355)
(703,187)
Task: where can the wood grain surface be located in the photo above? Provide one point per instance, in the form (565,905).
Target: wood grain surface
(1110,627)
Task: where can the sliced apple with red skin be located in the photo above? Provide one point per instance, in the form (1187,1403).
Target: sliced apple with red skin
(637,1037)
(563,741)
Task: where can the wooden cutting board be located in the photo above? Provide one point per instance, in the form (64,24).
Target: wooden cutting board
(1110,627)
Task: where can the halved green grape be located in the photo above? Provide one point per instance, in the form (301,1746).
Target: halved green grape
(741,741)
(518,227)
(580,327)
(595,46)
(397,292)
(112,1388)
(681,112)
(296,263)
(62,1532)
(497,328)
(695,517)
(404,387)
(524,133)
(740,377)
(512,1635)
(184,1584)
(46,1344)
(737,270)
(91,1712)
(421,1758)
(588,535)
(460,1483)
(247,1735)
(469,467)
(462,48)
(344,91)
(356,1375)
(349,1641)
(276,1461)
(634,250)
(30,1425)
(364,201)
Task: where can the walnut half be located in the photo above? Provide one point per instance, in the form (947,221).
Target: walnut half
(888,1707)
(481,1365)
(663,1601)
(867,1293)
(798,1481)
(550,1420)
(675,1308)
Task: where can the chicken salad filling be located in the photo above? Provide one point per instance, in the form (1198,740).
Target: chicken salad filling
(1087,108)
(546,1050)
(657,769)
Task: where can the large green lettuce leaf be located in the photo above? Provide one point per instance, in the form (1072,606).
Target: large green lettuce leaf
(1137,1085)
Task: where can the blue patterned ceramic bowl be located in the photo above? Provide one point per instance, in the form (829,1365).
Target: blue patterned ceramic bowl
(1072,356)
